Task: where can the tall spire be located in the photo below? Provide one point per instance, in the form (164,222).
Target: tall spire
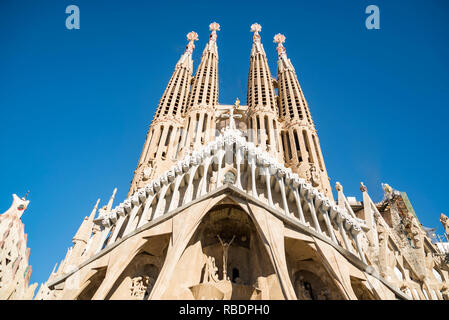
(200,120)
(166,129)
(260,83)
(293,104)
(174,99)
(302,151)
(205,82)
(261,100)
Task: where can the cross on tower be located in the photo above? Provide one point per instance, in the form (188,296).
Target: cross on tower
(231,114)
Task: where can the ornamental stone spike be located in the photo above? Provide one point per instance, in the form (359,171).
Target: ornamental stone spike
(94,210)
(111,200)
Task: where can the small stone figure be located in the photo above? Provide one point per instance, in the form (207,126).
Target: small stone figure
(141,286)
(210,272)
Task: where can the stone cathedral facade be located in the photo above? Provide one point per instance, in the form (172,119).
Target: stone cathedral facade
(234,202)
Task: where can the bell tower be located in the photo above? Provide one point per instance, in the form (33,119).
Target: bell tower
(263,125)
(163,137)
(203,100)
(302,151)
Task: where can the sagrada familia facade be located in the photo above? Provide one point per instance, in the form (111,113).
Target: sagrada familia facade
(234,202)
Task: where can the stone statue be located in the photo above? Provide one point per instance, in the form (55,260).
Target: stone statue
(314,177)
(141,286)
(210,271)
(212,183)
(225,255)
(413,230)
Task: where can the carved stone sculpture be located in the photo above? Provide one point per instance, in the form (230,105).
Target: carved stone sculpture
(141,286)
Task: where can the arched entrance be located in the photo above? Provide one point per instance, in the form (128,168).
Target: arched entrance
(225,259)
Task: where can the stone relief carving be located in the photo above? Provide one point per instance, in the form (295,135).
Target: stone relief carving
(312,176)
(141,286)
(413,231)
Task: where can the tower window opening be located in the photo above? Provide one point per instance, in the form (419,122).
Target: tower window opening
(167,140)
(289,148)
(298,147)
(306,142)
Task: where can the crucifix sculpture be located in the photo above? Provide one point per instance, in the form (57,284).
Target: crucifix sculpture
(225,255)
(231,114)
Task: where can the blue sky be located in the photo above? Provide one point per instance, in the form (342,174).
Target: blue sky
(76,104)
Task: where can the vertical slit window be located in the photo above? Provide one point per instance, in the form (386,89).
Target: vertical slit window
(289,147)
(306,142)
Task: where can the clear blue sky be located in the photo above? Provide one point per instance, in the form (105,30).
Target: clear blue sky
(76,104)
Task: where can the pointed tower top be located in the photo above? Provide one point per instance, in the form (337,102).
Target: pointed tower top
(111,201)
(280,39)
(191,36)
(214,27)
(256,28)
(186,58)
(211,45)
(94,210)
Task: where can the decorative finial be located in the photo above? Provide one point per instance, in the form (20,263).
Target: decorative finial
(214,27)
(237,103)
(256,28)
(191,36)
(338,186)
(362,187)
(279,39)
